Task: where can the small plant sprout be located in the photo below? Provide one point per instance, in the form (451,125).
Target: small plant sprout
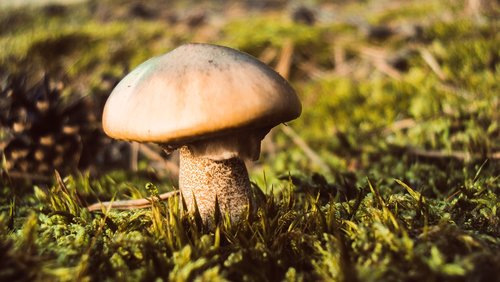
(215,105)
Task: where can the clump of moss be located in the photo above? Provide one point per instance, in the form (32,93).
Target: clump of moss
(406,186)
(386,229)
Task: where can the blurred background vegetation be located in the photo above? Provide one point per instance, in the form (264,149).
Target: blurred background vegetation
(394,162)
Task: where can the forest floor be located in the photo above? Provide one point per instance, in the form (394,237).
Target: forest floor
(390,174)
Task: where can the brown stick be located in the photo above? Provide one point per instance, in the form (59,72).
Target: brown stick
(152,155)
(268,55)
(315,158)
(285,60)
(432,63)
(400,125)
(378,58)
(29,176)
(131,204)
(312,70)
(462,156)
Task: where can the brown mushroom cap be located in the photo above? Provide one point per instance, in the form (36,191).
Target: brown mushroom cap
(197,92)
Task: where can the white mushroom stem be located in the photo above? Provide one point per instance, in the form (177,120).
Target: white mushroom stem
(205,180)
(209,169)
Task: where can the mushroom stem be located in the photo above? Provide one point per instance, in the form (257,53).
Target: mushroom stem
(206,179)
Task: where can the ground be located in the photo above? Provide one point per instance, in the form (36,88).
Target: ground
(390,174)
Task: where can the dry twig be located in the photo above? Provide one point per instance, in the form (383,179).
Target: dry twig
(400,125)
(315,158)
(149,153)
(28,176)
(131,204)
(268,55)
(461,156)
(285,61)
(378,58)
(432,62)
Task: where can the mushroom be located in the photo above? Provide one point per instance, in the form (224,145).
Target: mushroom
(213,103)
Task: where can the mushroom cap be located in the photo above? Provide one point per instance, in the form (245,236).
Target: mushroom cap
(198,91)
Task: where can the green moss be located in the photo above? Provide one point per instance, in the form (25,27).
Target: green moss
(403,193)
(272,32)
(411,10)
(385,232)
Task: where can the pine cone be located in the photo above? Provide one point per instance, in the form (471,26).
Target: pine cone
(46,132)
